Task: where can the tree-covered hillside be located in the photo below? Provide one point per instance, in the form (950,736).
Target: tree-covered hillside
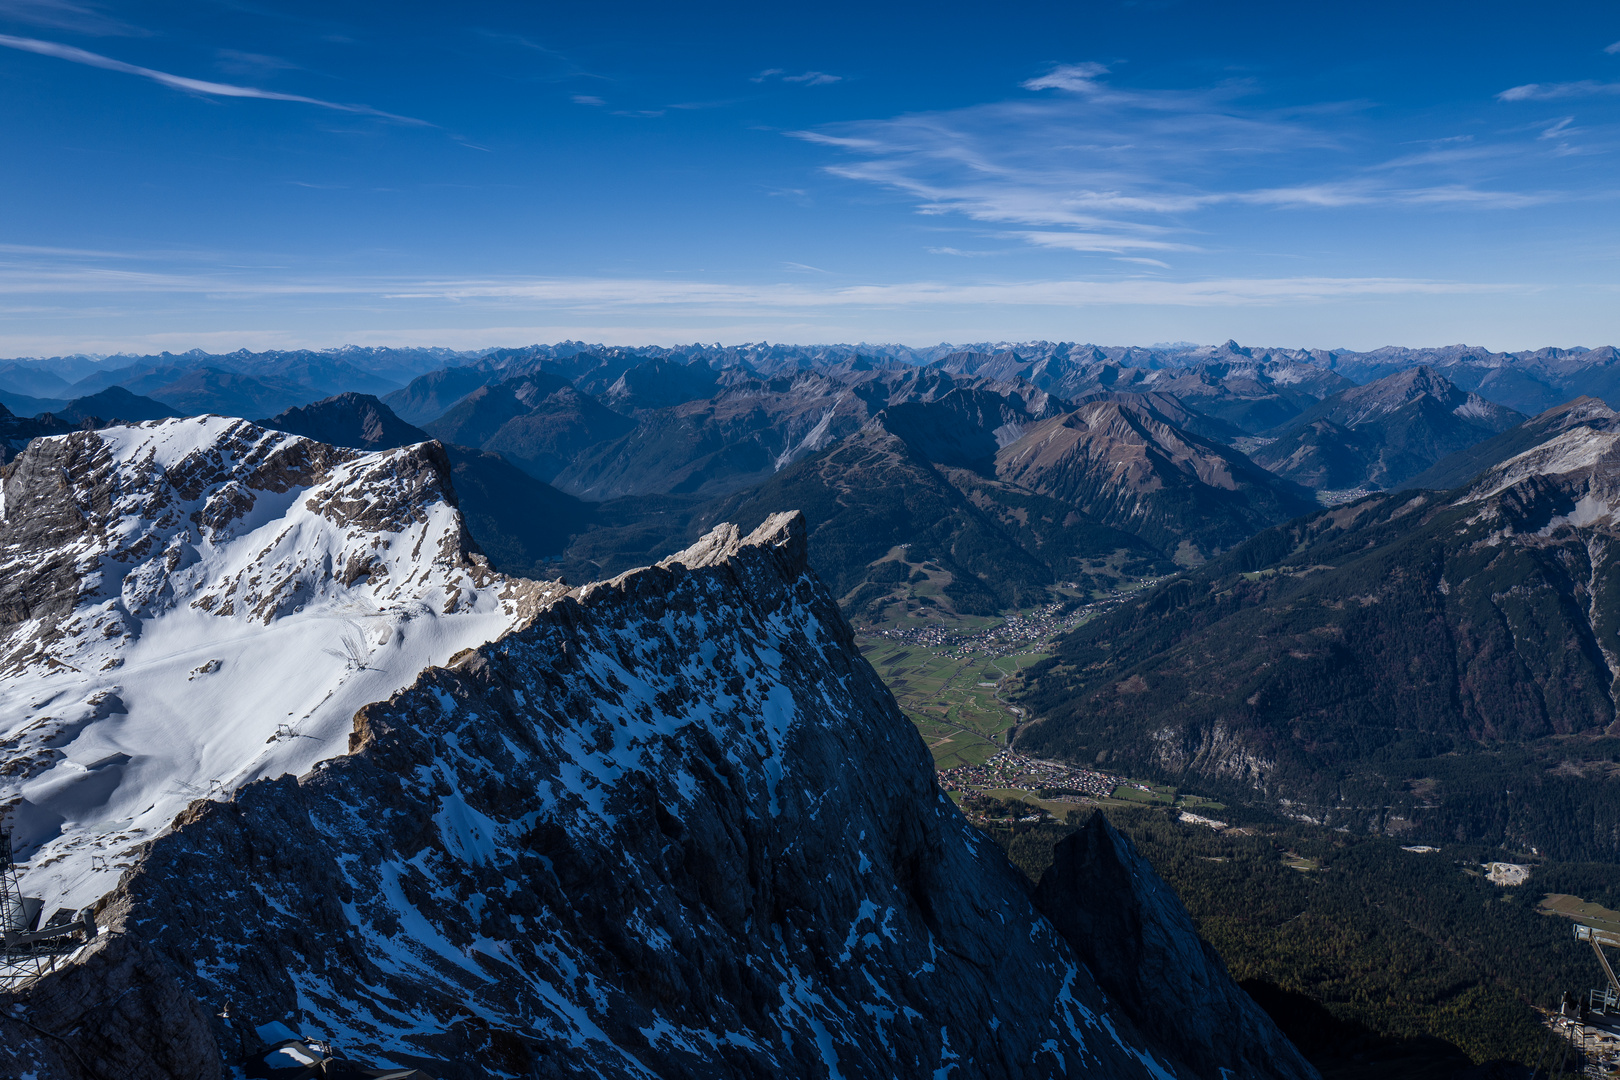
(1367,953)
(1411,663)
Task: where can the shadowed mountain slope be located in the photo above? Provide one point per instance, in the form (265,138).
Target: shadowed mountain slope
(560,427)
(473,419)
(428,397)
(660,384)
(1189,1000)
(357,420)
(114,403)
(1329,666)
(1460,467)
(16,432)
(878,511)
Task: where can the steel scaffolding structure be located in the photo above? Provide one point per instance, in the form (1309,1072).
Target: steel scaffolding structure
(28,951)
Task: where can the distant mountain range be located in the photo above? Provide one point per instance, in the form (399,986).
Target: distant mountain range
(1039,462)
(1530,381)
(1382,434)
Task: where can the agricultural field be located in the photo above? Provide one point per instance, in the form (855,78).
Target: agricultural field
(1573,907)
(952,696)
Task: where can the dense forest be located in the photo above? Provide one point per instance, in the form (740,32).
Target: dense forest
(1395,665)
(1363,949)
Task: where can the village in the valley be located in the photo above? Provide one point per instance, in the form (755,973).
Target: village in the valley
(1047,780)
(1017,630)
(952,678)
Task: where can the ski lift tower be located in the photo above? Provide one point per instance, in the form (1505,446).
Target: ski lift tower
(27,952)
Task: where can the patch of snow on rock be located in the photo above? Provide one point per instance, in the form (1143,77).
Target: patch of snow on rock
(196,604)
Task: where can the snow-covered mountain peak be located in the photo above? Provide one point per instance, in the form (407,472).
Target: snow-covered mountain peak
(189,605)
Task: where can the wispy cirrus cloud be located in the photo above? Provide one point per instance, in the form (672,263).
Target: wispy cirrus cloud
(236,62)
(33,272)
(1086,166)
(1559,91)
(806,78)
(76,55)
(1081,78)
(67,15)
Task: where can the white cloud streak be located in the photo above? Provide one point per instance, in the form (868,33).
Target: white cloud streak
(1092,168)
(44,279)
(1559,91)
(195,86)
(808,78)
(1077,78)
(66,15)
(813,78)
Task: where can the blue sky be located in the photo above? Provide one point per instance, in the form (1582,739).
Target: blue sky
(229,173)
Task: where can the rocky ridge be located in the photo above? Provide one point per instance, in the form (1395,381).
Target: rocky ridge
(667,825)
(1125,465)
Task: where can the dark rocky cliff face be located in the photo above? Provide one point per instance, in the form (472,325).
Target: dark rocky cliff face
(672,826)
(1133,934)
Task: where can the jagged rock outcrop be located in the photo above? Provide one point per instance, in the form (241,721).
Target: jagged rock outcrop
(1135,937)
(117,1011)
(519,523)
(671,825)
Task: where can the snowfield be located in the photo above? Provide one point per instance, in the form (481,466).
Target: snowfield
(237,594)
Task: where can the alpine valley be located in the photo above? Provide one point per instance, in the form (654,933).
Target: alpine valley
(822,711)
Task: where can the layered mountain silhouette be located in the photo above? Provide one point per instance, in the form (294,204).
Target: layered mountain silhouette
(1382,434)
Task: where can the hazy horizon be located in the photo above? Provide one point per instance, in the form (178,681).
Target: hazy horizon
(1000,345)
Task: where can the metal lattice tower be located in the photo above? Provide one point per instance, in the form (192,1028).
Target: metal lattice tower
(1589,1026)
(27,953)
